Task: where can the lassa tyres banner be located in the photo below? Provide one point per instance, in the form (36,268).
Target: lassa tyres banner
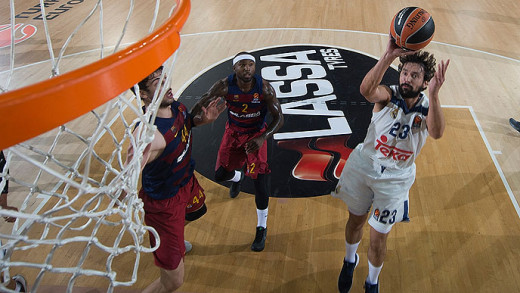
(325,115)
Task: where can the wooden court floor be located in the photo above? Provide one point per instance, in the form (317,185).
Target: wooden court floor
(464,225)
(462,236)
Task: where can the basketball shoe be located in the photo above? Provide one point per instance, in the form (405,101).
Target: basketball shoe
(234,190)
(259,243)
(515,124)
(346,275)
(371,288)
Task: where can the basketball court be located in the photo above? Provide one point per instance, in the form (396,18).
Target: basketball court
(465,217)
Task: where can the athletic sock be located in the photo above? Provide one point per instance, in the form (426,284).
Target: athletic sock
(373,273)
(262,217)
(350,251)
(236,178)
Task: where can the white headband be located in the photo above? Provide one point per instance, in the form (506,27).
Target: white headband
(243,57)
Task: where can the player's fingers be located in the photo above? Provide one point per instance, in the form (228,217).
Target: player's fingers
(211,104)
(445,66)
(216,101)
(439,75)
(443,71)
(440,69)
(250,147)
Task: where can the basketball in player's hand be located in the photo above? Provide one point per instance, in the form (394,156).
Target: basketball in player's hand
(412,28)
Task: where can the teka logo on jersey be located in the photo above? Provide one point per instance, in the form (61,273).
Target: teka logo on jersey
(22,32)
(325,115)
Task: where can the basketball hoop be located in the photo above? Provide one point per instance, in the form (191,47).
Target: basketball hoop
(65,141)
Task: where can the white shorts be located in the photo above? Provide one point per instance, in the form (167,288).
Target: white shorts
(363,183)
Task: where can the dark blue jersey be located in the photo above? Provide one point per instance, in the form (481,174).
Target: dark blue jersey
(163,177)
(246,111)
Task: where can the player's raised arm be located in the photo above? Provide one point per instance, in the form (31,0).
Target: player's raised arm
(371,87)
(217,90)
(435,119)
(151,151)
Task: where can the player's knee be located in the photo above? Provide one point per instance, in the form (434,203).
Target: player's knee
(222,174)
(175,284)
(356,222)
(378,251)
(378,242)
(196,214)
(261,184)
(172,280)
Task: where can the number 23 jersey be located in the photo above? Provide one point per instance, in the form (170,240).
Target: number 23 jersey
(397,134)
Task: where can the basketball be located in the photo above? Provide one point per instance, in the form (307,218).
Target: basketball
(412,28)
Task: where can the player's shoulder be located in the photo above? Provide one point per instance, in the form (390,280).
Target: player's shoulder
(178,106)
(425,102)
(385,95)
(158,142)
(391,89)
(267,87)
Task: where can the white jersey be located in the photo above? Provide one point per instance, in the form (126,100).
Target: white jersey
(397,134)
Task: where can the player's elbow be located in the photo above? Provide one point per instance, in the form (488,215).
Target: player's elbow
(364,90)
(281,121)
(368,93)
(436,134)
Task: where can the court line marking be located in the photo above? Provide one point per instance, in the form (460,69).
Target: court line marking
(492,154)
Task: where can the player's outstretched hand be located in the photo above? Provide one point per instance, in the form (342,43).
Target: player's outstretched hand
(439,77)
(212,111)
(396,51)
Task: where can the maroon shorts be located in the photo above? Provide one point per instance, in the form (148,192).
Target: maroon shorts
(197,198)
(166,216)
(232,153)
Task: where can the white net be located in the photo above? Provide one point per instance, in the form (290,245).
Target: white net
(71,228)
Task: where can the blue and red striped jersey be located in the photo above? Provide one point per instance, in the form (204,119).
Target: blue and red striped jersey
(163,177)
(246,111)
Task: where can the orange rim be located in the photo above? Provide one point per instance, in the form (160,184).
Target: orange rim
(33,110)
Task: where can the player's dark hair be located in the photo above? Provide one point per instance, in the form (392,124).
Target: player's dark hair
(423,58)
(142,83)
